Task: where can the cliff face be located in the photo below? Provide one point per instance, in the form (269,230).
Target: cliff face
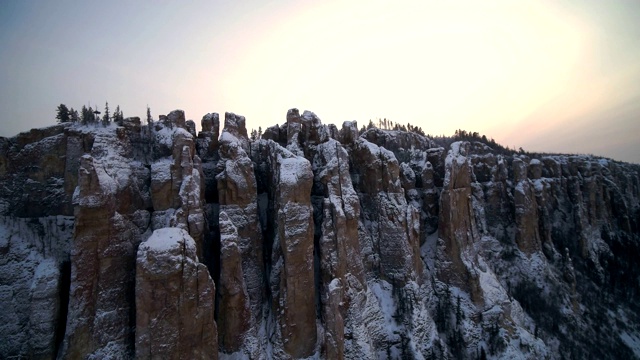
(147,240)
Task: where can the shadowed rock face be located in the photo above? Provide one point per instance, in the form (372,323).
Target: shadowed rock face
(234,298)
(388,218)
(321,242)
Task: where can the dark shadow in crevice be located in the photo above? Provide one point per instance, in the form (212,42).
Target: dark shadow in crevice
(64,287)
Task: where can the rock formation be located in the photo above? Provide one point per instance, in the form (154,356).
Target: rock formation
(241,239)
(174,300)
(388,218)
(152,241)
(292,275)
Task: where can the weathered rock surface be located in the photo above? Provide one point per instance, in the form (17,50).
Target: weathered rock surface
(321,242)
(339,246)
(387,217)
(234,298)
(526,214)
(292,275)
(237,193)
(174,299)
(33,267)
(102,269)
(458,228)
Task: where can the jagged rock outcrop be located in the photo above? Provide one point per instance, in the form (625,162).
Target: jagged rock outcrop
(349,133)
(35,177)
(292,274)
(234,298)
(339,255)
(387,217)
(235,125)
(458,227)
(321,243)
(526,214)
(207,149)
(174,300)
(237,193)
(102,268)
(177,183)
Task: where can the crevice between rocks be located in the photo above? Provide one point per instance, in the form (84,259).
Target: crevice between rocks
(64,289)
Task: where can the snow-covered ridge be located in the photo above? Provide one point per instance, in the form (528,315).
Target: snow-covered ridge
(314,242)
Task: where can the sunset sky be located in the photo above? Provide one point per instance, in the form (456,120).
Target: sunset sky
(554,75)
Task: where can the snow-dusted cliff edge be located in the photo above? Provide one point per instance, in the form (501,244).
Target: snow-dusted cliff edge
(139,241)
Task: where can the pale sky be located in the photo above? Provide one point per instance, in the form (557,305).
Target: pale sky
(545,75)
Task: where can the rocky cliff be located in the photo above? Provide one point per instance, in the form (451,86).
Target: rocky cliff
(152,241)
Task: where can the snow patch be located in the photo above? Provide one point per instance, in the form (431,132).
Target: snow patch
(383,292)
(166,239)
(632,341)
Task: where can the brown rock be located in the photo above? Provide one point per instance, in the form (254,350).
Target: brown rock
(292,281)
(176,118)
(457,227)
(177,183)
(207,142)
(132,124)
(294,132)
(190,125)
(237,192)
(339,245)
(175,299)
(102,270)
(526,210)
(236,126)
(235,312)
(313,132)
(349,133)
(276,134)
(376,174)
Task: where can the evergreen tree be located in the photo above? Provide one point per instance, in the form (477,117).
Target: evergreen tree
(73,114)
(63,114)
(86,115)
(117,116)
(149,118)
(106,119)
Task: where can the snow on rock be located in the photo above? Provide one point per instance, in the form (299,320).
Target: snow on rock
(385,244)
(207,141)
(376,179)
(174,299)
(242,257)
(458,227)
(292,284)
(234,298)
(33,255)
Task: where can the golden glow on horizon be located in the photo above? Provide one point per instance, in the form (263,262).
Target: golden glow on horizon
(547,75)
(438,65)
